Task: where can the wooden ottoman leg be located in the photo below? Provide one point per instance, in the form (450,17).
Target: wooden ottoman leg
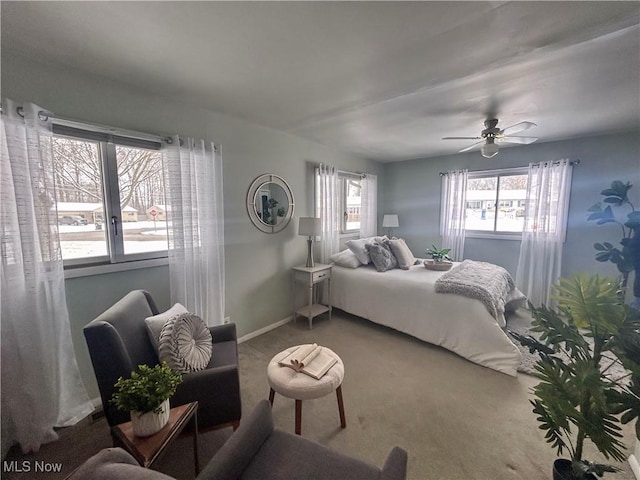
(298,417)
(343,420)
(272,395)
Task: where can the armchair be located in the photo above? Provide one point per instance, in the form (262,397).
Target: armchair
(256,451)
(118,342)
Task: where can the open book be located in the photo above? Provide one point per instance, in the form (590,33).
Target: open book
(312,360)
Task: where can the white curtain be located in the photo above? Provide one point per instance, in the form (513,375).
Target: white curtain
(193,182)
(328,209)
(41,383)
(369,206)
(454,200)
(545,222)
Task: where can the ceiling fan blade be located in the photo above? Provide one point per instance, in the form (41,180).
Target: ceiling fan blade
(471,147)
(519,140)
(518,127)
(461,138)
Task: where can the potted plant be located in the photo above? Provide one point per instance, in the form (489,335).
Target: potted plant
(578,398)
(627,257)
(440,259)
(146,396)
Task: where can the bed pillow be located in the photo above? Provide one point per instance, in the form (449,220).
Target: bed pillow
(402,253)
(185,343)
(358,247)
(381,256)
(155,323)
(345,258)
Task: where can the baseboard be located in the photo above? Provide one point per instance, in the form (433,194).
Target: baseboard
(634,460)
(264,330)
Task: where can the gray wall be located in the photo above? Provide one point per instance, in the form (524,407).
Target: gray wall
(412,189)
(257,264)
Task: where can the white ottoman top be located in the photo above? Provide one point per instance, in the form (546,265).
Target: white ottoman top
(291,384)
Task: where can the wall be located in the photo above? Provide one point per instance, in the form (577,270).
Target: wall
(412,189)
(257,264)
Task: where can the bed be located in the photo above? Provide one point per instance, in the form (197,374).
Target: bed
(406,300)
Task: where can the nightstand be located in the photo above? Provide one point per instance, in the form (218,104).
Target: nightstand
(310,276)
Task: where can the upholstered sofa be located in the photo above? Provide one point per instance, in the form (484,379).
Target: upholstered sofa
(256,451)
(118,342)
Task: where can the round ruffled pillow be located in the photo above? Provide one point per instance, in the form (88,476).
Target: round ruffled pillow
(185,343)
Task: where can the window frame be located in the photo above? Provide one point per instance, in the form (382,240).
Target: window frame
(343,179)
(494,234)
(107,138)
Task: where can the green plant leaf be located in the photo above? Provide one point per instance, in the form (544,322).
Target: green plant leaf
(595,208)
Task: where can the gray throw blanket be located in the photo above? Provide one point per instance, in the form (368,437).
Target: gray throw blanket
(483,281)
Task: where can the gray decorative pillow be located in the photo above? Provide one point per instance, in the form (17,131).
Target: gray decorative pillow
(185,343)
(381,256)
(402,253)
(358,247)
(155,323)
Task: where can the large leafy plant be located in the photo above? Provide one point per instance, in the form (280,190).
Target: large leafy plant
(626,256)
(146,389)
(578,397)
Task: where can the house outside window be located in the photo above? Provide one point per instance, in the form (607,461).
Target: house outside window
(351,203)
(110,198)
(506,189)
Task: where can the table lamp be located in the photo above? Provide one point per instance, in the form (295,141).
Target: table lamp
(390,222)
(310,227)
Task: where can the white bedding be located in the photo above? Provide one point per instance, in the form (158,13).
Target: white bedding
(406,301)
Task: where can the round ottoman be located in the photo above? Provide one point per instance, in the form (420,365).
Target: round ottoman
(299,386)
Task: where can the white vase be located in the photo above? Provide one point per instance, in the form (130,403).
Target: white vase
(148,423)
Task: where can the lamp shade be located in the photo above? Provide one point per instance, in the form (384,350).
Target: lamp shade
(390,221)
(309,227)
(489,150)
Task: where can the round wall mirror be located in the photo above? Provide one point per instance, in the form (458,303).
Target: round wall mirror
(270,203)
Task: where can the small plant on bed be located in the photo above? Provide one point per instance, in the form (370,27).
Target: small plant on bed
(439,255)
(578,398)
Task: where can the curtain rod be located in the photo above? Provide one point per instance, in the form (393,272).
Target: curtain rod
(44,115)
(572,162)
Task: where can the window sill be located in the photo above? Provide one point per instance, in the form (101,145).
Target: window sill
(114,267)
(494,236)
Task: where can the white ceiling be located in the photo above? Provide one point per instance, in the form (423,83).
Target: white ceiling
(386,80)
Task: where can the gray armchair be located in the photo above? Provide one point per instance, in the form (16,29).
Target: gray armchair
(118,342)
(256,451)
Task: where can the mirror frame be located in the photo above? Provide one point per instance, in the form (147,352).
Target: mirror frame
(254,188)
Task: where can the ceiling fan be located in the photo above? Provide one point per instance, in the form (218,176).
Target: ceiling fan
(491,136)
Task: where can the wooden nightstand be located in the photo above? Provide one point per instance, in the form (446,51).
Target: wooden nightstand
(311,276)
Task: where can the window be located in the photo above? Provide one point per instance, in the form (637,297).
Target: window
(505,188)
(350,203)
(110,197)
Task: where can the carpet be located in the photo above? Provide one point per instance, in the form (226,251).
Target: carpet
(520,322)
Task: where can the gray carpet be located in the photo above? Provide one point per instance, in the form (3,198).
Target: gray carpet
(457,420)
(520,322)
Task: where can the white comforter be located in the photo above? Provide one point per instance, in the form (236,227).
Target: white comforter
(406,301)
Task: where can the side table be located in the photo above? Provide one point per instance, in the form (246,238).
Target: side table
(146,450)
(311,276)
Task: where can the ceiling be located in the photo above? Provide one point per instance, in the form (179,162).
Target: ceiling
(385,80)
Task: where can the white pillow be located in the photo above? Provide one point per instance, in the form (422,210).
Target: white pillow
(155,323)
(345,258)
(402,253)
(185,343)
(359,250)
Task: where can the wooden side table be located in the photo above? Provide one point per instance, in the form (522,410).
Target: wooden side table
(146,450)
(311,276)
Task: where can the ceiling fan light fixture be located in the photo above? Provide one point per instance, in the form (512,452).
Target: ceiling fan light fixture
(489,150)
